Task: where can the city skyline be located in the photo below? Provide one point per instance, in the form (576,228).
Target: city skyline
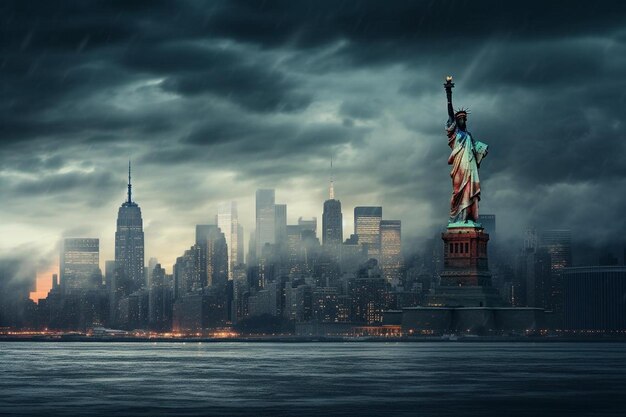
(44,280)
(282,105)
(296,208)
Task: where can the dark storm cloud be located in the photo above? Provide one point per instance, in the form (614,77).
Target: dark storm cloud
(408,23)
(192,69)
(268,91)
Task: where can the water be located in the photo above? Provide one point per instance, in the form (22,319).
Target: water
(301,379)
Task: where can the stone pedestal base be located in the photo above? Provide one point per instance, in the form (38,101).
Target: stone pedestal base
(465,257)
(465,279)
(464,296)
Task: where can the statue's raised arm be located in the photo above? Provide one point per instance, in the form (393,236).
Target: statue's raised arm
(448,86)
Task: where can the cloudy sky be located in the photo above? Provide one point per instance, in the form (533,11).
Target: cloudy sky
(212,100)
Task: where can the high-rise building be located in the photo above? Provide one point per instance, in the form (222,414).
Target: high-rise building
(368,295)
(239,258)
(109,273)
(188,272)
(80,258)
(251,258)
(332,219)
(129,246)
(558,244)
(308,224)
(280,223)
(265,219)
(594,298)
(159,300)
(367,228)
(228,222)
(332,223)
(213,255)
(390,251)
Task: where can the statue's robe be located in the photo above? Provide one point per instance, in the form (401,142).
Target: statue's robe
(465,159)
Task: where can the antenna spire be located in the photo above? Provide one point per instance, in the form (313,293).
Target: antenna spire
(129,186)
(332,181)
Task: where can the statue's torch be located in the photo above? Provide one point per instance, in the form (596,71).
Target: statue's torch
(449,85)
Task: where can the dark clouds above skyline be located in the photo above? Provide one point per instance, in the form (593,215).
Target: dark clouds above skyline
(213,100)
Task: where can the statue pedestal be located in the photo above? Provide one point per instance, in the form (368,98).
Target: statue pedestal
(465,279)
(465,257)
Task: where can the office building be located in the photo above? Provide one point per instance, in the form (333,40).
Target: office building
(594,298)
(558,244)
(79,264)
(213,255)
(228,223)
(265,219)
(308,225)
(367,228)
(332,224)
(280,224)
(391,263)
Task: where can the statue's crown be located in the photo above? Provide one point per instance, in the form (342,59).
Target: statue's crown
(461,112)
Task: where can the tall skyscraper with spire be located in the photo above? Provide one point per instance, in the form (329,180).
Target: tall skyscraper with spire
(129,246)
(332,219)
(228,222)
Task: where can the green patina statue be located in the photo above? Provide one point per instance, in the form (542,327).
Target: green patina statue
(465,158)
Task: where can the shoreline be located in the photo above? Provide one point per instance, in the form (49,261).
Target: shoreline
(320,339)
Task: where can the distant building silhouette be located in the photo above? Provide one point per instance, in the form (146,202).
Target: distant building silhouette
(280,223)
(265,219)
(558,244)
(228,222)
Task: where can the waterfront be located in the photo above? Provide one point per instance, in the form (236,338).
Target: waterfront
(341,379)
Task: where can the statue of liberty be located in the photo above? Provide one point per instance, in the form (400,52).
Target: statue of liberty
(465,158)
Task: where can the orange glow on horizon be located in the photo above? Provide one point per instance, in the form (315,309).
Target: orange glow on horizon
(44,283)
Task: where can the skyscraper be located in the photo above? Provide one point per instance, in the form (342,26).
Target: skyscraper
(308,225)
(390,251)
(79,262)
(129,246)
(558,243)
(280,223)
(367,228)
(265,219)
(332,219)
(213,255)
(240,238)
(159,300)
(228,222)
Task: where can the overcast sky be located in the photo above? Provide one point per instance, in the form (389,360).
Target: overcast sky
(212,100)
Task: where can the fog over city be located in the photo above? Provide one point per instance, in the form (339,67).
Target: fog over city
(213,101)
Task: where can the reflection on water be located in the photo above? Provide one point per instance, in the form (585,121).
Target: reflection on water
(335,379)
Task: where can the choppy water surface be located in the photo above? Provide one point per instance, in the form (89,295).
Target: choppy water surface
(333,379)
